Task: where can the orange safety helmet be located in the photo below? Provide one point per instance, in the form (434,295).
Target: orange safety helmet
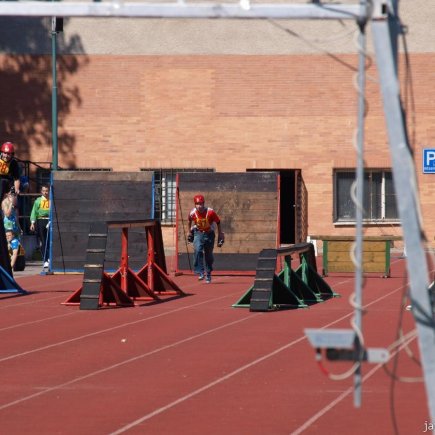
(198,199)
(8,147)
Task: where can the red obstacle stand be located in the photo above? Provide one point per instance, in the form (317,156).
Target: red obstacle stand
(125,286)
(152,281)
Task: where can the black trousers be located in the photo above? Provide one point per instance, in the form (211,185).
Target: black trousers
(5,186)
(42,231)
(5,261)
(20,263)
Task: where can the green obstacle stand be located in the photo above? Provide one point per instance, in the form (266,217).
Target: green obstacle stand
(287,289)
(316,286)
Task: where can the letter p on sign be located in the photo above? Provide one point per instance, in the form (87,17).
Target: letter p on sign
(430,157)
(429,161)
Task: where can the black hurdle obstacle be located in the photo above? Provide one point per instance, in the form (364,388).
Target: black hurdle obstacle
(286,289)
(124,287)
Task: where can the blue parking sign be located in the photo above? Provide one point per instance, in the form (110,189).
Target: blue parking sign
(429,161)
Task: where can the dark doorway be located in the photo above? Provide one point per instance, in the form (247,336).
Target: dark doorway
(293,203)
(287,201)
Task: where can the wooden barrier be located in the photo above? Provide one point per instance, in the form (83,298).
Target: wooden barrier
(337,257)
(247,203)
(81,198)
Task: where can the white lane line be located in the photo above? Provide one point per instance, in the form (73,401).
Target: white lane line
(127,361)
(121,363)
(40,288)
(33,322)
(233,373)
(346,393)
(74,312)
(29,302)
(204,388)
(113,328)
(47,318)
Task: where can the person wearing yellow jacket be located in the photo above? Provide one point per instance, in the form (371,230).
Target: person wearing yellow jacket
(39,221)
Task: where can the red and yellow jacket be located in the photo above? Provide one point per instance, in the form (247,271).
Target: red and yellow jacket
(203,221)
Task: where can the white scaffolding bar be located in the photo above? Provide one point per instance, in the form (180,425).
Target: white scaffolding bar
(180,10)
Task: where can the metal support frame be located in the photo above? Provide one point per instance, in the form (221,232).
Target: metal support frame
(152,281)
(357,384)
(122,9)
(132,285)
(54,113)
(405,184)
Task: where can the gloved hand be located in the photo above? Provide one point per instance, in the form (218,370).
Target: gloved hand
(221,240)
(190,238)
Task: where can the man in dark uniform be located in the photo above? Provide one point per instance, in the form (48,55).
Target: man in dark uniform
(9,182)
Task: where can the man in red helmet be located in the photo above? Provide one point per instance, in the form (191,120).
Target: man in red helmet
(9,169)
(202,222)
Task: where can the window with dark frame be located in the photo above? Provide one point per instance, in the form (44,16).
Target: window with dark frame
(379,196)
(165,192)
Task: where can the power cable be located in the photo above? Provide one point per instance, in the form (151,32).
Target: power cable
(58,229)
(184,229)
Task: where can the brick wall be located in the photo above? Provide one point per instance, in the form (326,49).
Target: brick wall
(231,113)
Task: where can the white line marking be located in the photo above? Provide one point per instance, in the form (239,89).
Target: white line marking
(28,302)
(127,361)
(33,322)
(233,373)
(182,399)
(40,288)
(346,393)
(102,331)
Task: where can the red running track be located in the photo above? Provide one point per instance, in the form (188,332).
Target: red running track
(195,365)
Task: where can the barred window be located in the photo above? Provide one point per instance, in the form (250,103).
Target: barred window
(379,196)
(165,192)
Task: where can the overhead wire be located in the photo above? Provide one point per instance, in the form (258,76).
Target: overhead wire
(356,193)
(184,229)
(316,42)
(358,202)
(409,101)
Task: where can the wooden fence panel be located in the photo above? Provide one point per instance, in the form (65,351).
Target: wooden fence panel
(248,205)
(80,198)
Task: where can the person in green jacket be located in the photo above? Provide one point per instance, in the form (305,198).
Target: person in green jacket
(40,219)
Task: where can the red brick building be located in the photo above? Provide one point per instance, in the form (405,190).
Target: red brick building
(228,96)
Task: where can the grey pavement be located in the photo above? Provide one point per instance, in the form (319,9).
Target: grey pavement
(32,268)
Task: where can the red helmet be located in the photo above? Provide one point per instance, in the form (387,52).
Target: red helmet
(198,199)
(8,147)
